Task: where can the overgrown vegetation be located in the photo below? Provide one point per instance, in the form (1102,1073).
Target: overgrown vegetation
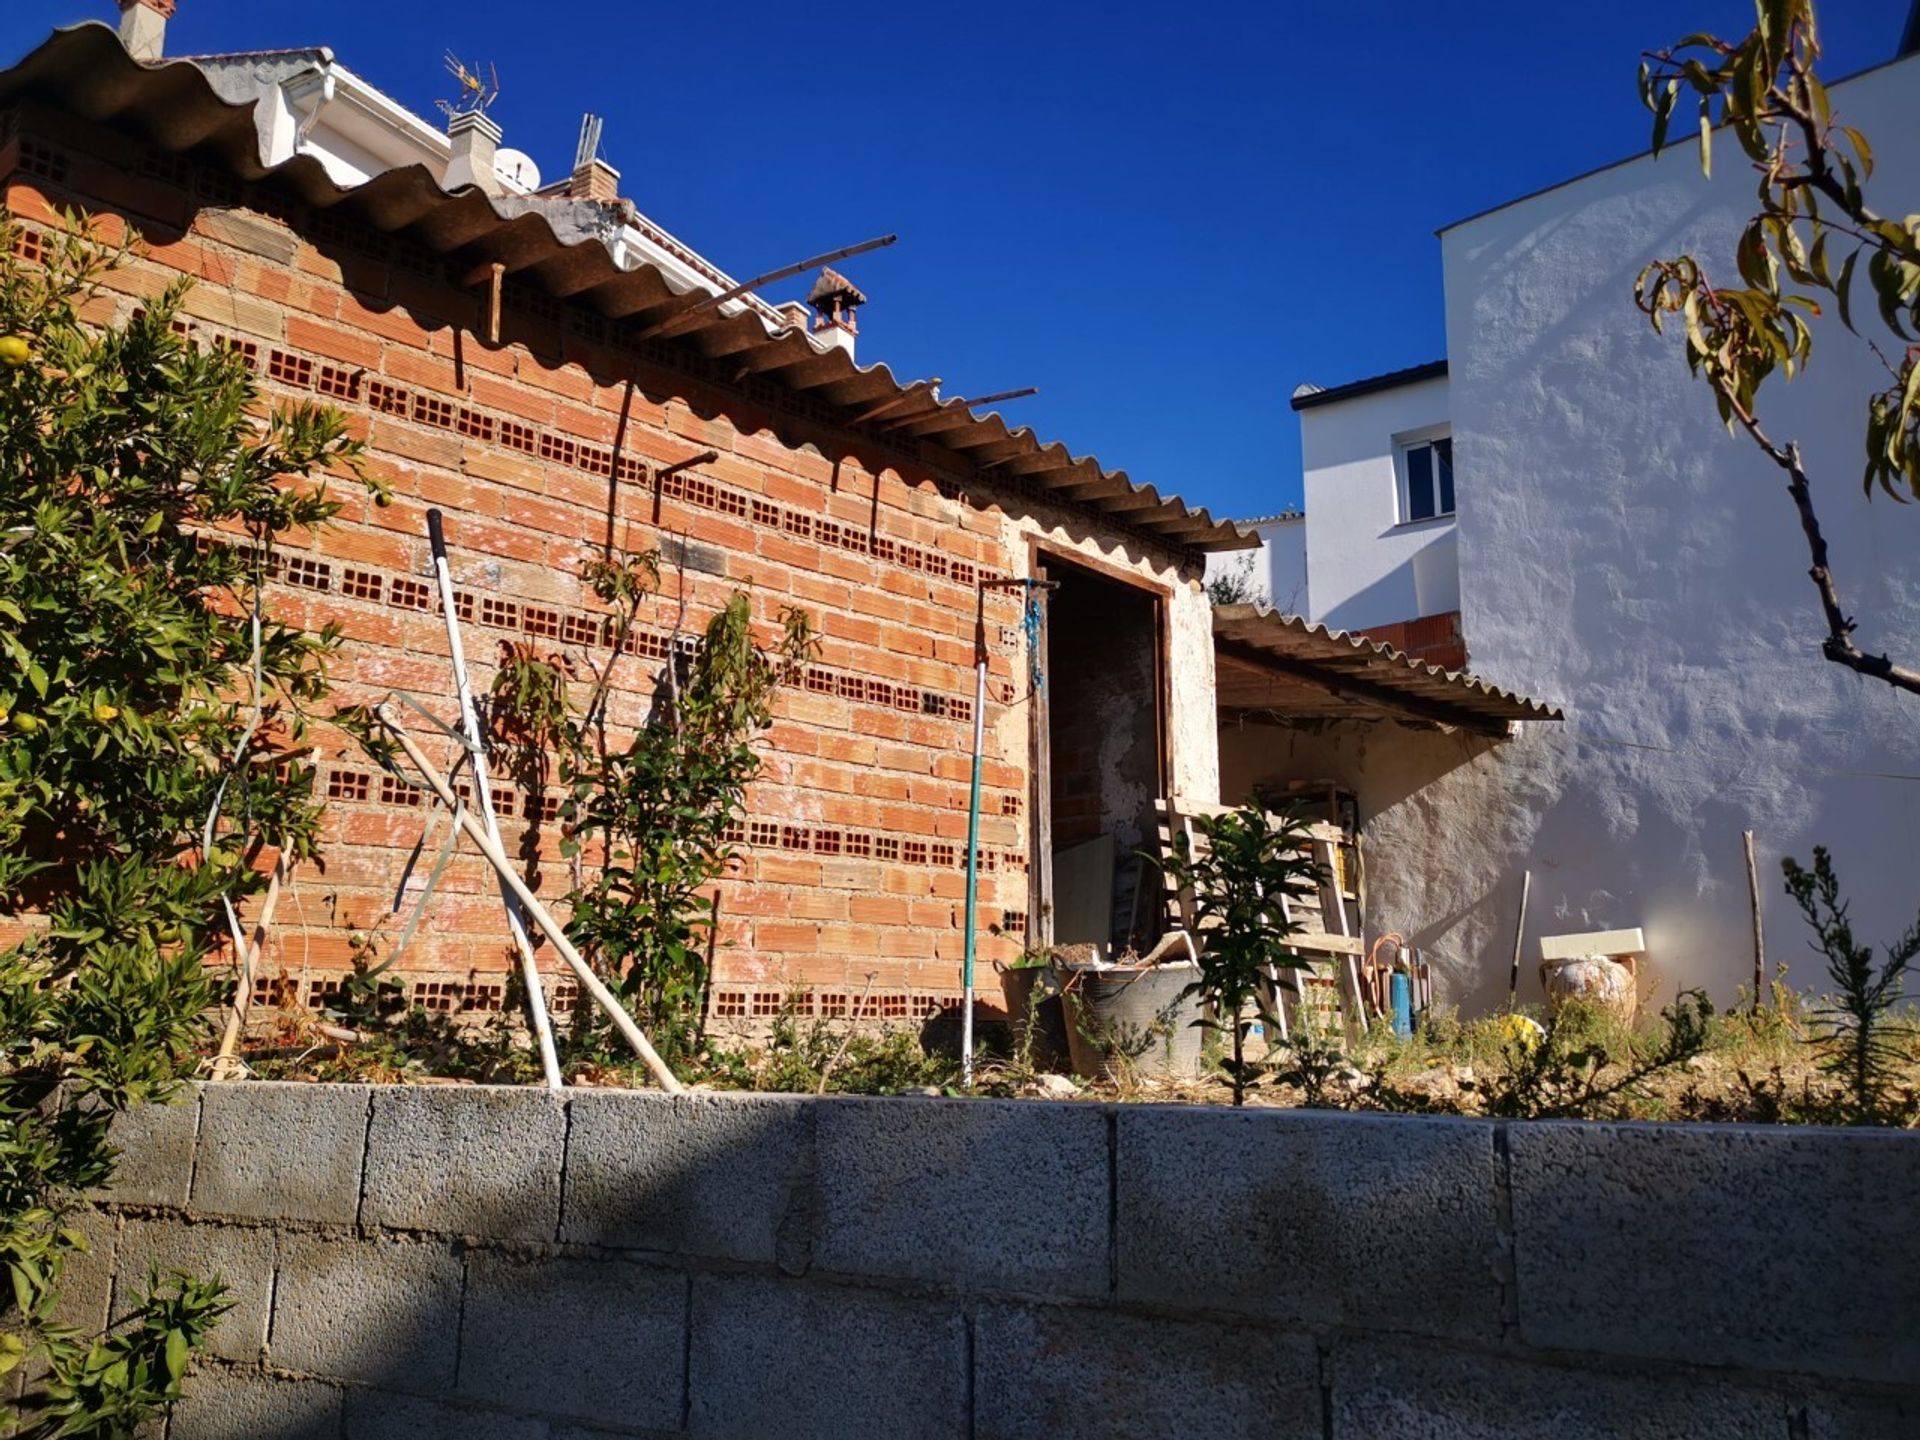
(1802,246)
(655,812)
(1242,881)
(142,487)
(1859,1038)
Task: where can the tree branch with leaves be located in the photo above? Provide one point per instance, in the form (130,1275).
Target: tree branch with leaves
(1807,240)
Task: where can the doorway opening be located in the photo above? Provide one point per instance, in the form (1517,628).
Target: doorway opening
(1105,746)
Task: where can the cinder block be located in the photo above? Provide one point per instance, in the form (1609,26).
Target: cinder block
(807,1361)
(1000,1195)
(594,1339)
(281,1151)
(382,1311)
(481,1161)
(1790,1249)
(1042,1373)
(1424,1392)
(242,1258)
(86,1277)
(1306,1216)
(1861,1417)
(235,1405)
(155,1142)
(378,1415)
(711,1176)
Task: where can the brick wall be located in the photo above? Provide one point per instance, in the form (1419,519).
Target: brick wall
(852,854)
(480,1262)
(1432,639)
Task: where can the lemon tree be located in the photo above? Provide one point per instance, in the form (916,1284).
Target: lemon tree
(142,485)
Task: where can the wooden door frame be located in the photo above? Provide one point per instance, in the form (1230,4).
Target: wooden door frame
(1040,720)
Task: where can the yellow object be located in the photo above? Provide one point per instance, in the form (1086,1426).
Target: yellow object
(1521,1031)
(14,351)
(104,713)
(26,724)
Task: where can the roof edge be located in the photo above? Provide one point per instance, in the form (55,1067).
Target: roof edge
(1309,399)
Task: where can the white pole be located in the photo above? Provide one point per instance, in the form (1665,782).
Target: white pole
(483,794)
(549,927)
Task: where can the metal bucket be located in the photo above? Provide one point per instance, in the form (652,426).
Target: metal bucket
(1133,1020)
(1035,1014)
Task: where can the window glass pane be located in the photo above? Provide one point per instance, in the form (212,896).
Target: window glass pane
(1420,482)
(1443,462)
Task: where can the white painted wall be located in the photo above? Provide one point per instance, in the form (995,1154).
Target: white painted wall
(1277,571)
(1624,556)
(1364,567)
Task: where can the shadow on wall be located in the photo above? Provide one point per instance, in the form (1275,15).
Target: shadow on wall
(483,1263)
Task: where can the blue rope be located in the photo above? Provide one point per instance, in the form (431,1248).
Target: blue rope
(1035,680)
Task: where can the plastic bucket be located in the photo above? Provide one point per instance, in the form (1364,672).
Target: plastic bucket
(1133,1020)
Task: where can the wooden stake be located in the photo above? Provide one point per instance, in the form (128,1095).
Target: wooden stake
(1519,933)
(531,906)
(1759,937)
(226,1065)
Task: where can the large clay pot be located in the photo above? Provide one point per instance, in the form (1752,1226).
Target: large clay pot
(1597,979)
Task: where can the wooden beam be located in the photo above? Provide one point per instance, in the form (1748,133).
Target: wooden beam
(1364,692)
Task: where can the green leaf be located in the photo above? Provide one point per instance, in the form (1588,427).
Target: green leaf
(1706,138)
(177,1350)
(1842,289)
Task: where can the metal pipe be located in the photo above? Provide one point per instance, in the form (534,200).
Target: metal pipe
(551,928)
(483,792)
(973,802)
(673,322)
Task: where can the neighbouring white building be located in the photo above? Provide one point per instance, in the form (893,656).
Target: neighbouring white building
(1612,550)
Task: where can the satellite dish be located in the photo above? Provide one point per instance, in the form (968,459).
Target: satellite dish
(516,167)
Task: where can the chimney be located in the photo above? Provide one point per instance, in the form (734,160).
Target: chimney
(834,299)
(143,28)
(475,139)
(595,180)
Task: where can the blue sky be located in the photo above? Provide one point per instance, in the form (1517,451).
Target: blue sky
(1164,216)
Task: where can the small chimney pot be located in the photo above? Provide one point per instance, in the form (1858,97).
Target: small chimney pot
(595,180)
(143,27)
(476,140)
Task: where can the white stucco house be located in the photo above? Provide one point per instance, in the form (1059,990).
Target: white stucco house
(1609,548)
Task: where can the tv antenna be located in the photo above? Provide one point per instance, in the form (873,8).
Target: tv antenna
(477,92)
(588,150)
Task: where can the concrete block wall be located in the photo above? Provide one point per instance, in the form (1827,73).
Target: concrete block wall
(491,1262)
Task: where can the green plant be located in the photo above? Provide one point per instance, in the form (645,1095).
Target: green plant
(1583,1063)
(658,810)
(1252,864)
(1858,1038)
(1813,227)
(142,487)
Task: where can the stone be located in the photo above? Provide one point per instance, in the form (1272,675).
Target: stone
(1045,1373)
(473,1160)
(1311,1217)
(381,1311)
(1403,1391)
(155,1141)
(281,1151)
(1055,1087)
(242,1258)
(902,1193)
(379,1415)
(1720,1244)
(621,1327)
(806,1361)
(235,1405)
(708,1176)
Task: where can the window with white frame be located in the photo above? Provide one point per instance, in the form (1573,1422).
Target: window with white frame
(1426,479)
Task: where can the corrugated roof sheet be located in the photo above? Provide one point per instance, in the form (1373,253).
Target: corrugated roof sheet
(1287,666)
(561,246)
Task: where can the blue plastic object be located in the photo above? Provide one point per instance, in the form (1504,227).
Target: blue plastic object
(1402,995)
